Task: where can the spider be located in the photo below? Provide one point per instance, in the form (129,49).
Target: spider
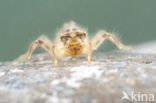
(72,39)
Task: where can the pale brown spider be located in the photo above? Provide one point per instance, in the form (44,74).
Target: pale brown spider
(72,40)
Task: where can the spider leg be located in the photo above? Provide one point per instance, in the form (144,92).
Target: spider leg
(102,35)
(95,42)
(46,44)
(88,50)
(89,53)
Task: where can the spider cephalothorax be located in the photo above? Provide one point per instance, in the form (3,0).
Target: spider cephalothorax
(72,40)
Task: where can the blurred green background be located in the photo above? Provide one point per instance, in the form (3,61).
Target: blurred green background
(22,21)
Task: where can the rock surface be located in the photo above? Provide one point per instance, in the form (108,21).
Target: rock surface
(105,80)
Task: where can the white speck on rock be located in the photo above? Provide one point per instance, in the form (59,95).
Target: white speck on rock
(78,74)
(154,67)
(112,71)
(2,73)
(56,99)
(86,72)
(16,70)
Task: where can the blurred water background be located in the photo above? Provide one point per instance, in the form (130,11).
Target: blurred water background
(22,21)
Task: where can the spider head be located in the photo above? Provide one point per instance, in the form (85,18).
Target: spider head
(74,42)
(73,37)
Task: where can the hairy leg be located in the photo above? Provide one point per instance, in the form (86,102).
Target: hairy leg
(102,35)
(45,43)
(88,51)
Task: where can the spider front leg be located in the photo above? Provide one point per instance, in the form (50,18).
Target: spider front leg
(46,44)
(102,35)
(88,50)
(89,53)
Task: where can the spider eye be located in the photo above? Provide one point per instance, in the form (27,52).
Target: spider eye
(64,39)
(82,36)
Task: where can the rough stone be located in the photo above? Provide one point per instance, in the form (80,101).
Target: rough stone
(105,80)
